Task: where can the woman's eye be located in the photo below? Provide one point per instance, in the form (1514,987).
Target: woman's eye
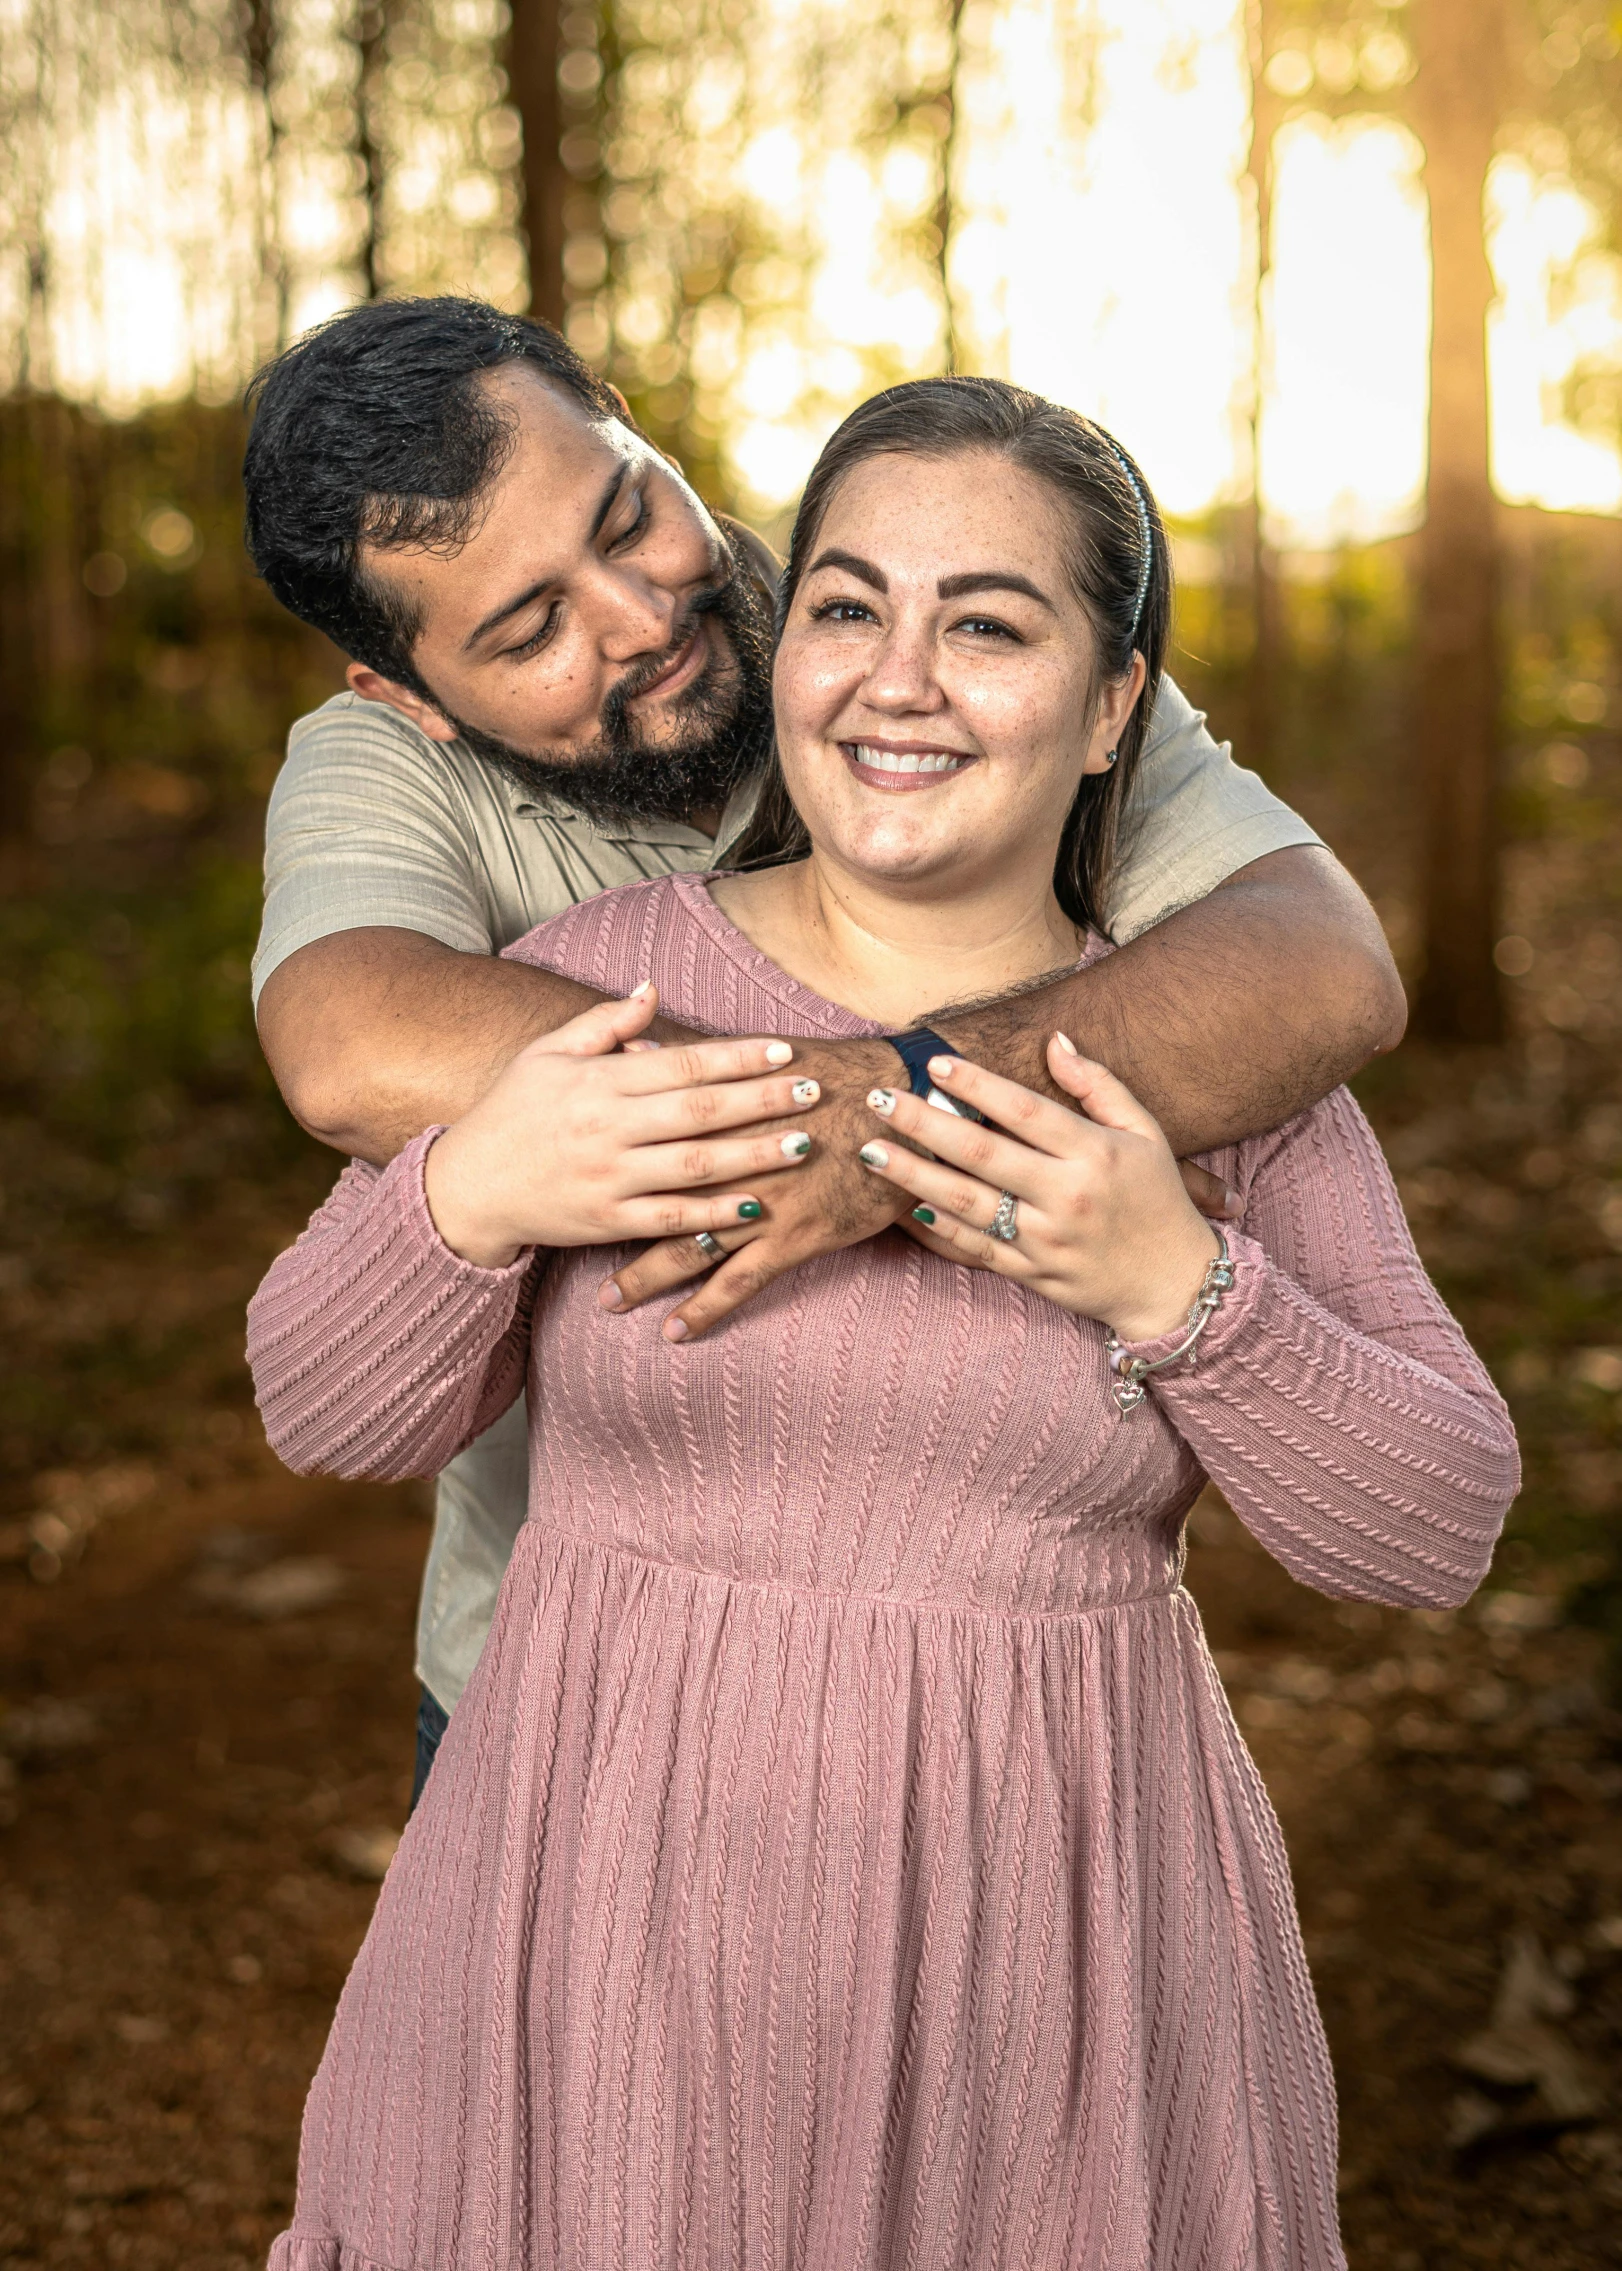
(538,637)
(987,627)
(843,611)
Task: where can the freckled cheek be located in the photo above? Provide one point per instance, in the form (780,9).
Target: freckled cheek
(1026,722)
(809,692)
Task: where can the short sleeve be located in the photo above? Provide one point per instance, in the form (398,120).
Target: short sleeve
(1196,818)
(366,827)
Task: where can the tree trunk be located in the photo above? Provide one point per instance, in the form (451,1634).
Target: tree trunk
(259,34)
(1456,705)
(1266,612)
(532,71)
(371,38)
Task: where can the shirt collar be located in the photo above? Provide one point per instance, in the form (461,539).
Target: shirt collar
(740,807)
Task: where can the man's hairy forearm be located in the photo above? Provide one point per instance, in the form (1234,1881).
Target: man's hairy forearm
(374,1035)
(1227,1018)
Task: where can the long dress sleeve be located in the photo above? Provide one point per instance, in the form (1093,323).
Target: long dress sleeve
(374,1349)
(1334,1400)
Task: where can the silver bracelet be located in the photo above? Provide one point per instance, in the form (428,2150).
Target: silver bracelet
(1131,1371)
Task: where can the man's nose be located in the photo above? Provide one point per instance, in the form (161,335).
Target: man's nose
(635,615)
(903,678)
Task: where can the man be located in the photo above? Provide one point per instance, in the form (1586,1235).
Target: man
(559,682)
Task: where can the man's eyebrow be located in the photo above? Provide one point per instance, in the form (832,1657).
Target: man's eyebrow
(992,579)
(853,565)
(510,607)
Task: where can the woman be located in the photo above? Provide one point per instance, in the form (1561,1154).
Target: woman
(844,1855)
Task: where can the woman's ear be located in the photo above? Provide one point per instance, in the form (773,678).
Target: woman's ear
(1116,704)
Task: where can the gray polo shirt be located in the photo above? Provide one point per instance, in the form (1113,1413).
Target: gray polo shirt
(371,823)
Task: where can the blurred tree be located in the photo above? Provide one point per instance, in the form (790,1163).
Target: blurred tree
(752,239)
(1457,102)
(1476,80)
(535,55)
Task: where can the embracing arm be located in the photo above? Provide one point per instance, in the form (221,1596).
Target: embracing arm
(1228,1018)
(374,1035)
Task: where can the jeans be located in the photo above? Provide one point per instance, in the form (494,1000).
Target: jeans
(432,1722)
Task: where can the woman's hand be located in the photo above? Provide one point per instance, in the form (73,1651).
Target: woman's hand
(1105,1227)
(579,1144)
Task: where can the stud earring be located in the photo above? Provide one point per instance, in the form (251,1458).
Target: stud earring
(1110,755)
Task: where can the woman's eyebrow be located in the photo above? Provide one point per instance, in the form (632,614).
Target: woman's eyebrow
(992,579)
(853,565)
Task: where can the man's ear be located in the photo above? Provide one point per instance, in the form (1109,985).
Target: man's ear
(372,686)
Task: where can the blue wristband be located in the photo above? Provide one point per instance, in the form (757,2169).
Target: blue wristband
(915,1048)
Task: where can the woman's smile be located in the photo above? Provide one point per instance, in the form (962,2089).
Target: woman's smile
(894,766)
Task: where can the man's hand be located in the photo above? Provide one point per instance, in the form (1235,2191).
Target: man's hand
(831,1202)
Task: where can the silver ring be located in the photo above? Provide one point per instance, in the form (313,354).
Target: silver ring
(1004,1224)
(710,1246)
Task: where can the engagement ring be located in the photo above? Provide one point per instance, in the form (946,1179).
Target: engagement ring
(1004,1224)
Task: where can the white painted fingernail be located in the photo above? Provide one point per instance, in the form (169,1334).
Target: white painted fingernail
(873,1155)
(779,1053)
(942,1068)
(796,1146)
(641,992)
(882,1100)
(1065,1043)
(805,1091)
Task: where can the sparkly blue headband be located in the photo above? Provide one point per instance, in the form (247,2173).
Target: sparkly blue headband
(1146,537)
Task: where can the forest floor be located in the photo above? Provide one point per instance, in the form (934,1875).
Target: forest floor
(206,1699)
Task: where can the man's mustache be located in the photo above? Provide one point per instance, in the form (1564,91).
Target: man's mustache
(641,675)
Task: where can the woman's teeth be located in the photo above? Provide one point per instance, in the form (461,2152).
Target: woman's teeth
(906,760)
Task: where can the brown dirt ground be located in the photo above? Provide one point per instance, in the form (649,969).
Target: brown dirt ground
(180,1898)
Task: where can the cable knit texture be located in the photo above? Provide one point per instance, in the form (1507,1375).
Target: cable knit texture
(844,1858)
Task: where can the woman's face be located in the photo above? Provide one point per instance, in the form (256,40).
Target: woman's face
(933,685)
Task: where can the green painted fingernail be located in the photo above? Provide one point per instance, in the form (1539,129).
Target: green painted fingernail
(923,1214)
(750,1210)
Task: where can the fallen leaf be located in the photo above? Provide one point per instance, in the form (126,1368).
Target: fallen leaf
(288,1588)
(1520,2049)
(365,1853)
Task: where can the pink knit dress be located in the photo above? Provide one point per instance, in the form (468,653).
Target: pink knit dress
(844,1858)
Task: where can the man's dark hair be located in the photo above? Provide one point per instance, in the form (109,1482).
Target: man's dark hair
(374,429)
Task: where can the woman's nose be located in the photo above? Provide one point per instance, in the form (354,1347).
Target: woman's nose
(902,677)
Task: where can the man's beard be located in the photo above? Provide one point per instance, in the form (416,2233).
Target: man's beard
(722,725)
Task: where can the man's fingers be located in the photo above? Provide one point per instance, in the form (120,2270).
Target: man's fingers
(657,1269)
(1209,1193)
(730,1217)
(737,1280)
